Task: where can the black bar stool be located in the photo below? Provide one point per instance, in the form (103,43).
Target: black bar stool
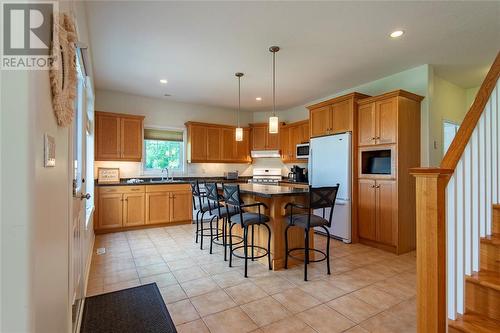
(202,206)
(232,199)
(319,198)
(218,211)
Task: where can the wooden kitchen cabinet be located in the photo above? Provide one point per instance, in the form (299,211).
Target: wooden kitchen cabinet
(291,135)
(367,209)
(229,144)
(118,137)
(197,142)
(158,207)
(119,206)
(262,139)
(259,137)
(212,143)
(377,211)
(366,124)
(336,115)
(387,217)
(107,137)
(133,209)
(378,122)
(168,203)
(110,210)
(181,206)
(320,120)
(243,147)
(386,112)
(285,144)
(388,128)
(125,207)
(342,116)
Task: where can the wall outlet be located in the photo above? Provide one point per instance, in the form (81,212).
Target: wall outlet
(100,251)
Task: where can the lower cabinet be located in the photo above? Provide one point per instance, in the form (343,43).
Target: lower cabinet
(133,209)
(110,210)
(377,211)
(133,206)
(168,203)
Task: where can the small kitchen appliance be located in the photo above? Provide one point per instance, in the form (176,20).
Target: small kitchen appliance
(302,151)
(297,174)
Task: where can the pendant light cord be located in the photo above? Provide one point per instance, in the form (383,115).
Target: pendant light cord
(239,99)
(274,83)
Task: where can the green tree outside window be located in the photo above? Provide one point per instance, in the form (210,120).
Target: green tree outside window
(163,154)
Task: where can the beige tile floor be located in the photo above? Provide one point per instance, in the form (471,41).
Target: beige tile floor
(369,290)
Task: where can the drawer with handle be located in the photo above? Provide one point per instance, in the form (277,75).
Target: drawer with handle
(122,189)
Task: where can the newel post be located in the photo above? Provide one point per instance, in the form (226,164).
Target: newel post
(431,248)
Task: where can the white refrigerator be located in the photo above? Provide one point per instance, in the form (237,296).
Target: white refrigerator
(330,164)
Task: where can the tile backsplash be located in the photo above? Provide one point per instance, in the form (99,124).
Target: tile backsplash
(134,169)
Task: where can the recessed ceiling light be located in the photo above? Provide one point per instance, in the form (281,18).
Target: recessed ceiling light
(164,81)
(397,33)
(258,98)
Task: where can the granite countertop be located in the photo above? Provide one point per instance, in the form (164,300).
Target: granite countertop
(269,191)
(286,180)
(177,180)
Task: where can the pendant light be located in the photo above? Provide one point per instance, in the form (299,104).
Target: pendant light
(239,130)
(273,120)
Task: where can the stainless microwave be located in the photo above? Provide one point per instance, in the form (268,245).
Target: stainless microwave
(302,151)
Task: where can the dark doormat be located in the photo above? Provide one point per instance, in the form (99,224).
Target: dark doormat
(134,310)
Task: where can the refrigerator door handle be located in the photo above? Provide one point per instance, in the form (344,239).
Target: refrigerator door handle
(309,166)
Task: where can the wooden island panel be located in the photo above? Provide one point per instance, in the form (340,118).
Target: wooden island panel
(277,214)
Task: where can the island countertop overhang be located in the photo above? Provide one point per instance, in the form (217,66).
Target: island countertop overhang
(269,191)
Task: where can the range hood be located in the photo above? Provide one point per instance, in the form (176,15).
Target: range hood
(265,153)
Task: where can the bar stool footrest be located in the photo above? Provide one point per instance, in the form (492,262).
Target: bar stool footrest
(302,259)
(250,249)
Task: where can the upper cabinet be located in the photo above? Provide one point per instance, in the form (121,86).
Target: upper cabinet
(211,143)
(118,137)
(380,117)
(262,139)
(291,135)
(334,116)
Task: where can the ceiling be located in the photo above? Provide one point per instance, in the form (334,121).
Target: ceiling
(326,47)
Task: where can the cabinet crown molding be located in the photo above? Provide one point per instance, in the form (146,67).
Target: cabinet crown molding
(121,115)
(395,93)
(353,95)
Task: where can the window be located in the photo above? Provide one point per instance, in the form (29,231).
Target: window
(163,149)
(449,131)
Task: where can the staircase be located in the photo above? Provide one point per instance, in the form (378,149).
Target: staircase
(482,289)
(458,224)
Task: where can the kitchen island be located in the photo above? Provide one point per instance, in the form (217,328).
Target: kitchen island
(276,197)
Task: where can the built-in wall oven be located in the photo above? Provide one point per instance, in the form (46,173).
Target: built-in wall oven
(302,151)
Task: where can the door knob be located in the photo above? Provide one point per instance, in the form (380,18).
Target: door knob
(85,196)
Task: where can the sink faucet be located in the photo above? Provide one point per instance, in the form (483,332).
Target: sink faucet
(168,174)
(164,170)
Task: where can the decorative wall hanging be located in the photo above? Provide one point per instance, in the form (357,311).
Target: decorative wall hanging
(63,75)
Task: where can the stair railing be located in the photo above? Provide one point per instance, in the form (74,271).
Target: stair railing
(454,209)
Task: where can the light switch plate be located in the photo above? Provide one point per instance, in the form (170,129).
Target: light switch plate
(49,151)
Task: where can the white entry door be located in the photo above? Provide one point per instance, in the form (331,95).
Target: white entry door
(79,197)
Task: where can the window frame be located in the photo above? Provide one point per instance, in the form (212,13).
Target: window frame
(157,172)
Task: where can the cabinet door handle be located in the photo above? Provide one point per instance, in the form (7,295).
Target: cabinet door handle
(374,138)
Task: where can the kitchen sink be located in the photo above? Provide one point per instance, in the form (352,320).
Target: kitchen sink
(166,181)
